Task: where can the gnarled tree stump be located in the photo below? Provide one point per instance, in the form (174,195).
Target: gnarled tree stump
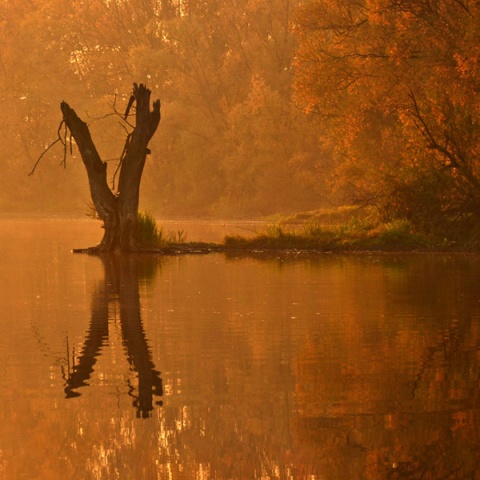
(118,210)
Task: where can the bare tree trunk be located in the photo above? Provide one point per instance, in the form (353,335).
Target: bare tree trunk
(118,211)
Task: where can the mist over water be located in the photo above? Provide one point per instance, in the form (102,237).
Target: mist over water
(336,367)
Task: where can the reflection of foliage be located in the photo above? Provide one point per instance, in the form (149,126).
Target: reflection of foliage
(414,413)
(276,369)
(147,268)
(354,366)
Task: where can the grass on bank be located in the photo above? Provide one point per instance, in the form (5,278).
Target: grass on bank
(150,235)
(354,235)
(336,230)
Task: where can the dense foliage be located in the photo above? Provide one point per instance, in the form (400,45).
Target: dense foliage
(232,142)
(267,107)
(396,85)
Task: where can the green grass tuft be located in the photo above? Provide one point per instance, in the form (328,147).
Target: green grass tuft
(150,235)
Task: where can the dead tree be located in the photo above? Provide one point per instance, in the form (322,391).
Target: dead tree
(118,210)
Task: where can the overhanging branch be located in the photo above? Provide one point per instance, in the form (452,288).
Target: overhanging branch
(59,139)
(456,159)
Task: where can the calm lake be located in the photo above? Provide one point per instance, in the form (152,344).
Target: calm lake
(203,367)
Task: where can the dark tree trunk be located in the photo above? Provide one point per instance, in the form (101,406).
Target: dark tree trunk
(118,210)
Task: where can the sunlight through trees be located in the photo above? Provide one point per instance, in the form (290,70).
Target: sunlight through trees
(269,107)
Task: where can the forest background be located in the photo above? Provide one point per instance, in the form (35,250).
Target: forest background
(267,107)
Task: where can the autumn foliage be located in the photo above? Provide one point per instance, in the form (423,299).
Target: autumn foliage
(232,141)
(268,107)
(396,86)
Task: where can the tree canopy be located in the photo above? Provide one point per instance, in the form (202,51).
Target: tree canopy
(232,141)
(267,107)
(396,86)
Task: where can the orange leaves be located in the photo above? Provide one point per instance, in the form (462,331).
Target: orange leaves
(360,64)
(468,64)
(256,98)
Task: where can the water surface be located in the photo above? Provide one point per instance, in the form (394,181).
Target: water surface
(217,367)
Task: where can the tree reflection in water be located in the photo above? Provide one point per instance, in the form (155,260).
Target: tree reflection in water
(118,292)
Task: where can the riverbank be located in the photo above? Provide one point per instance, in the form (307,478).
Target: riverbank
(396,236)
(339,230)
